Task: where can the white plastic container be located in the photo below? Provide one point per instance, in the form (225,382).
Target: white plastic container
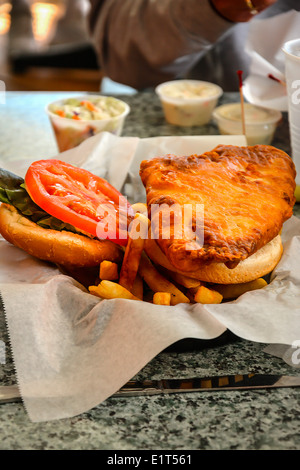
(291,50)
(188,102)
(260,123)
(70,132)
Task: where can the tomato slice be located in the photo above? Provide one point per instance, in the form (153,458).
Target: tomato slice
(76,196)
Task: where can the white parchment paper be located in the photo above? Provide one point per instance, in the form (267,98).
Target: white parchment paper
(264,47)
(72,350)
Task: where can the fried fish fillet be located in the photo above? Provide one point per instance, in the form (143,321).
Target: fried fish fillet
(247,194)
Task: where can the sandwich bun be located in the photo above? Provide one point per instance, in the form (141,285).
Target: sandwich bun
(257,265)
(63,248)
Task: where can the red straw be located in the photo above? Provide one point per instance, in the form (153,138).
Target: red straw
(276,79)
(240,74)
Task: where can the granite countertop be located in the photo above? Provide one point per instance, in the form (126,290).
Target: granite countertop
(239,420)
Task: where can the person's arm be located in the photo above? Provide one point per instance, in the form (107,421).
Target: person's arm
(141,43)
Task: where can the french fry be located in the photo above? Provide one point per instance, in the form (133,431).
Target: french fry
(186,281)
(158,283)
(297,193)
(140,207)
(133,251)
(183,280)
(233,291)
(191,292)
(111,290)
(162,298)
(138,287)
(155,254)
(207,296)
(108,271)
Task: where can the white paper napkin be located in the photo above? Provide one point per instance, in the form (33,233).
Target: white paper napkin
(101,154)
(290,354)
(264,46)
(72,350)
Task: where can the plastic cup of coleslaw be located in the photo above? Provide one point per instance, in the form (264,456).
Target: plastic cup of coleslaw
(260,123)
(76,119)
(188,102)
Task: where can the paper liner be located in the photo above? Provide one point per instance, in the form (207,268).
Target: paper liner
(72,350)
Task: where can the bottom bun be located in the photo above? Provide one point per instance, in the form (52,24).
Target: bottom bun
(257,265)
(64,248)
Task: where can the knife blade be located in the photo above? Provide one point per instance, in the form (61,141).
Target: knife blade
(10,393)
(208,384)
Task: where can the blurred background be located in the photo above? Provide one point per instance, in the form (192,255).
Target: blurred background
(45,45)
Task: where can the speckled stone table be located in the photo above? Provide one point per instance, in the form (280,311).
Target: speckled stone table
(238,420)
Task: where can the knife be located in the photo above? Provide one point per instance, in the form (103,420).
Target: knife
(10,393)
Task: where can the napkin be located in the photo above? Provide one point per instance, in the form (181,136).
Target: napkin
(264,47)
(73,350)
(290,354)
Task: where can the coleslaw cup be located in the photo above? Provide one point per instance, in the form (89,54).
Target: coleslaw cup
(71,132)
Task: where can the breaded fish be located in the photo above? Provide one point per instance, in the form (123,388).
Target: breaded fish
(247,194)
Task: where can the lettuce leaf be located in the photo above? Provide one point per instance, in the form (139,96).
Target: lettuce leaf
(13,191)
